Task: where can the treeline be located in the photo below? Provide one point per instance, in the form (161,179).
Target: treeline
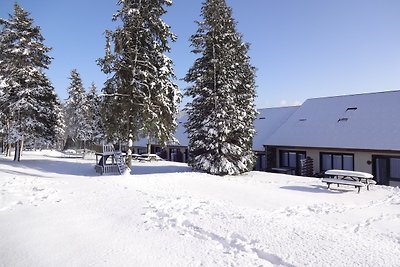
(140,98)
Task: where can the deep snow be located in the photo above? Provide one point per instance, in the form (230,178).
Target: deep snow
(58,212)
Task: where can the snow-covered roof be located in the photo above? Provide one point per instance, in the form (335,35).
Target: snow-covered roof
(267,122)
(181,138)
(363,121)
(142,142)
(180,134)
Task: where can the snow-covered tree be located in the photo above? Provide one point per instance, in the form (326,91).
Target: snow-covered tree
(76,110)
(94,114)
(222,85)
(28,99)
(60,127)
(140,96)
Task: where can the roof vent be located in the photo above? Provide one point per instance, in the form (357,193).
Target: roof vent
(343,119)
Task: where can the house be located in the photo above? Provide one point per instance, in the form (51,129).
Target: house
(267,122)
(175,150)
(353,132)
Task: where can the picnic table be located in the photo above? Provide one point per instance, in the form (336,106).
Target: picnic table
(71,153)
(352,178)
(148,157)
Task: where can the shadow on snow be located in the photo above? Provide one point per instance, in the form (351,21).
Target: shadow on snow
(78,167)
(316,189)
(148,169)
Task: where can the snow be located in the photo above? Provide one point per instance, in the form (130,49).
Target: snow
(3,83)
(57,211)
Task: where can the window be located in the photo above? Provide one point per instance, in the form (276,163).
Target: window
(395,167)
(336,161)
(291,159)
(348,162)
(326,162)
(386,169)
(260,164)
(142,151)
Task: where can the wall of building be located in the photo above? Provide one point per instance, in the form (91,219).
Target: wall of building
(362,159)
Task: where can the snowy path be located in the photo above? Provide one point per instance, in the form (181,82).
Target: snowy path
(58,212)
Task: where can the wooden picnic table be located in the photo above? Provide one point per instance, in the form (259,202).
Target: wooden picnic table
(352,178)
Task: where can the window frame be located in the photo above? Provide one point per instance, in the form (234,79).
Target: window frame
(297,166)
(332,154)
(388,167)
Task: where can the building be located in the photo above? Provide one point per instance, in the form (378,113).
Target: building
(267,122)
(353,132)
(176,150)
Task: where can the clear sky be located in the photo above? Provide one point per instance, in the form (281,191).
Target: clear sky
(302,49)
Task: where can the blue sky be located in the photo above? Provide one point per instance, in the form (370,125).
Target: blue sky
(302,49)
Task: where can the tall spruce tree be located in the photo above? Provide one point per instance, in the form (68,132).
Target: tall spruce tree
(60,127)
(94,114)
(222,85)
(76,111)
(140,96)
(28,100)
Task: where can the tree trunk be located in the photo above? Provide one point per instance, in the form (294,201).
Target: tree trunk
(148,145)
(8,150)
(17,154)
(84,148)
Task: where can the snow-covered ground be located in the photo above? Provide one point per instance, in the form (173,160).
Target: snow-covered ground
(58,212)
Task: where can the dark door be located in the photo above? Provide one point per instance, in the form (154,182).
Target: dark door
(381,170)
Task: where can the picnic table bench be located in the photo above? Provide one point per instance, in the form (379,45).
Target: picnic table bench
(70,153)
(352,178)
(148,157)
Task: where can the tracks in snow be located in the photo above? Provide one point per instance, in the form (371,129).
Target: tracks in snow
(16,192)
(184,215)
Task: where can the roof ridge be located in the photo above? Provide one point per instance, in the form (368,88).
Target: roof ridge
(356,94)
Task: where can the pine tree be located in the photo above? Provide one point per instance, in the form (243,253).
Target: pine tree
(139,96)
(28,98)
(222,85)
(60,127)
(76,109)
(94,114)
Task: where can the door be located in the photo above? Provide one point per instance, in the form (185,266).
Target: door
(381,170)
